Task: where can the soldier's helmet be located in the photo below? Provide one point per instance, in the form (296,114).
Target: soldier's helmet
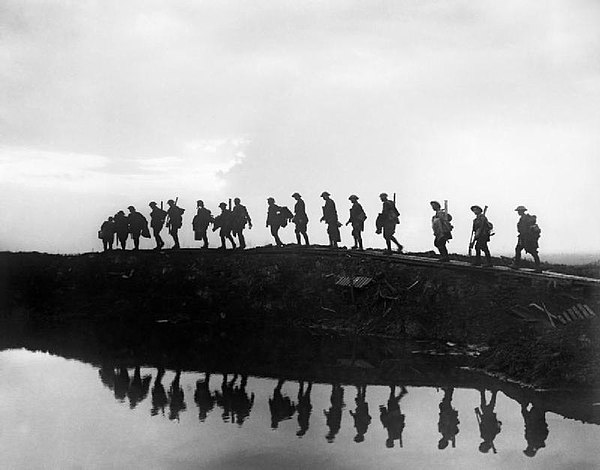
(170,202)
(521,208)
(152,204)
(383,195)
(270,199)
(353,197)
(435,204)
(236,200)
(476,208)
(199,203)
(131,208)
(223,205)
(325,194)
(296,195)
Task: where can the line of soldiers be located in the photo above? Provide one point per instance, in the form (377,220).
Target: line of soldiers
(237,404)
(232,221)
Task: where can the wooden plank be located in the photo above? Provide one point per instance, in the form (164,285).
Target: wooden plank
(582,311)
(572,315)
(561,319)
(577,312)
(589,310)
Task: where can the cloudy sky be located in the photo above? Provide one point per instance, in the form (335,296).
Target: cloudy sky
(110,103)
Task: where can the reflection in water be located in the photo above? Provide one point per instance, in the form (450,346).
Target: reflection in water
(334,415)
(392,418)
(489,425)
(204,398)
(448,422)
(361,415)
(138,388)
(304,408)
(281,407)
(241,402)
(176,398)
(536,428)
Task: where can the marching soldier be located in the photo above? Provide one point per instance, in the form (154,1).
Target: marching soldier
(529,234)
(300,219)
(275,220)
(137,225)
(481,236)
(330,217)
(357,219)
(175,221)
(224,222)
(107,233)
(239,218)
(200,223)
(157,221)
(442,229)
(386,222)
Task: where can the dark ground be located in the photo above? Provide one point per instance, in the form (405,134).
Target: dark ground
(467,313)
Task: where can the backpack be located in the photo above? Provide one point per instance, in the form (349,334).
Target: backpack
(284,215)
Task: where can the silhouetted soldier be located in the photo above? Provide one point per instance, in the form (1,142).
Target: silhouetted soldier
(386,222)
(536,428)
(334,415)
(304,408)
(442,229)
(138,388)
(300,219)
(204,398)
(357,219)
(157,222)
(121,228)
(225,398)
(176,398)
(107,233)
(529,234)
(274,220)
(489,425)
(281,408)
(481,236)
(137,223)
(239,218)
(200,223)
(391,417)
(223,222)
(175,221)
(330,217)
(121,384)
(107,376)
(159,396)
(241,402)
(361,415)
(448,422)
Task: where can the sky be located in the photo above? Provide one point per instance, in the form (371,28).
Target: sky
(107,104)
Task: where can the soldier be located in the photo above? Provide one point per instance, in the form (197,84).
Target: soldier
(200,223)
(489,425)
(157,221)
(330,217)
(333,416)
(239,218)
(175,221)
(357,219)
(442,229)
(361,415)
(121,228)
(529,234)
(300,219)
(481,236)
(448,422)
(274,220)
(137,223)
(107,233)
(392,418)
(387,221)
(223,221)
(536,428)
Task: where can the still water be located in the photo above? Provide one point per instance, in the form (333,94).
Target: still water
(65,414)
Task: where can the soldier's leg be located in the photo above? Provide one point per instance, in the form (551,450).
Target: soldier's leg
(517,260)
(223,247)
(230,237)
(105,244)
(136,241)
(305,235)
(241,239)
(204,238)
(477,253)
(175,236)
(536,259)
(297,236)
(486,252)
(400,247)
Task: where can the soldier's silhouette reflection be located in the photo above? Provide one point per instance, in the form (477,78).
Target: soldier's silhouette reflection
(281,407)
(204,398)
(334,414)
(536,428)
(138,388)
(107,376)
(489,425)
(392,418)
(225,398)
(448,423)
(121,384)
(176,398)
(304,408)
(241,402)
(361,415)
(159,396)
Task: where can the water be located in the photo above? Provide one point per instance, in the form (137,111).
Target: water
(65,414)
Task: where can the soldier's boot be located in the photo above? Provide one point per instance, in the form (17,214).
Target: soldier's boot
(536,259)
(477,261)
(360,245)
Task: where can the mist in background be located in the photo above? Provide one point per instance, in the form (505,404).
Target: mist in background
(110,104)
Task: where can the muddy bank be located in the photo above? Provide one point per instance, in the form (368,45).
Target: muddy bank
(473,311)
